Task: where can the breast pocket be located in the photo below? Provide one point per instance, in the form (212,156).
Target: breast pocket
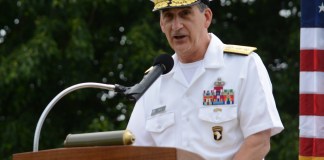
(218,113)
(160,122)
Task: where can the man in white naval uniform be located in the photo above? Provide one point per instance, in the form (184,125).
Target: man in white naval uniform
(217,100)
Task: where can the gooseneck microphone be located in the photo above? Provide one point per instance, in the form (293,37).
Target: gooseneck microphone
(162,65)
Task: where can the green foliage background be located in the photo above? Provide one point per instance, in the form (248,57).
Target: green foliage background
(49,45)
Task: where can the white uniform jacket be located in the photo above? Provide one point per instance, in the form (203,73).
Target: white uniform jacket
(229,98)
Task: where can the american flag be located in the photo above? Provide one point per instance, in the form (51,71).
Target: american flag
(311,89)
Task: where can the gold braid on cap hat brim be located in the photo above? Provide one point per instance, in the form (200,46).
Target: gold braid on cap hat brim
(159,4)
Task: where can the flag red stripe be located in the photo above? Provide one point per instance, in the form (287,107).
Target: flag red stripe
(312,60)
(311,104)
(311,147)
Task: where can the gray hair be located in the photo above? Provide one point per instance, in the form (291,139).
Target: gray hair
(202,6)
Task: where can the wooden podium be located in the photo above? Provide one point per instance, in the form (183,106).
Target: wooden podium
(109,153)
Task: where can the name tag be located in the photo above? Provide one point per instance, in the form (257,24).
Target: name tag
(158,110)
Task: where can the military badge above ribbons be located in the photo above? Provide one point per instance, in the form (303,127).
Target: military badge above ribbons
(218,95)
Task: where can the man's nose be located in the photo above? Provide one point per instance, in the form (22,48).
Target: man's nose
(177,23)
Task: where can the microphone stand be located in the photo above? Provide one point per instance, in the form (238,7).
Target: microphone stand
(58,97)
(162,65)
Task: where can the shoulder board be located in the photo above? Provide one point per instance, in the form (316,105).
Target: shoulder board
(241,50)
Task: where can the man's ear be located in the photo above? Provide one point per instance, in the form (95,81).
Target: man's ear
(209,16)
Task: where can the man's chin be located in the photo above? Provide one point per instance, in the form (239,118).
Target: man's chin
(181,49)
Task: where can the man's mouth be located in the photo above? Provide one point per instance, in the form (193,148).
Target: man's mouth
(179,37)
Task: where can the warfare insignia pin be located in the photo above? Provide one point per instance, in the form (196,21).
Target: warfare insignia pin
(218,132)
(218,95)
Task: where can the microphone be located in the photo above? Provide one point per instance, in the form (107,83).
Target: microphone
(162,65)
